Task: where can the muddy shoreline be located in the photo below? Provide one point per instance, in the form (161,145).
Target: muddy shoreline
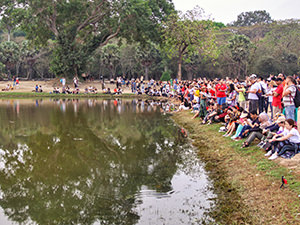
(247,193)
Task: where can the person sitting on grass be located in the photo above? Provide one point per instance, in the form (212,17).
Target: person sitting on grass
(264,122)
(234,116)
(290,137)
(213,111)
(250,126)
(241,123)
(269,132)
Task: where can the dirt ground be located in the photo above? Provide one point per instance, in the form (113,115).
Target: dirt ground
(47,86)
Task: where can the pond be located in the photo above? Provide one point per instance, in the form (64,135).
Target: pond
(94,161)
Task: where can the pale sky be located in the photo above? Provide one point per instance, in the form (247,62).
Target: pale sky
(227,11)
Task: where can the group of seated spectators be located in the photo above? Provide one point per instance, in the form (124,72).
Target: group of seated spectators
(65,90)
(249,110)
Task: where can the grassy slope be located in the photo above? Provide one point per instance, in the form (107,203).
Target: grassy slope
(246,182)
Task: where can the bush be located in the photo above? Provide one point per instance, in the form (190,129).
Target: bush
(166,76)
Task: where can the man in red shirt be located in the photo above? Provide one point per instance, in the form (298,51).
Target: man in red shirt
(277,96)
(221,92)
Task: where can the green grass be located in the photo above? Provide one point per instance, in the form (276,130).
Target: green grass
(255,156)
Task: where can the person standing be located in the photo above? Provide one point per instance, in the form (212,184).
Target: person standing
(221,89)
(262,100)
(75,82)
(277,96)
(289,93)
(252,94)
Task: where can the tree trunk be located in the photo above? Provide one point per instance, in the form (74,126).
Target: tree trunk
(8,35)
(190,74)
(179,74)
(239,70)
(146,73)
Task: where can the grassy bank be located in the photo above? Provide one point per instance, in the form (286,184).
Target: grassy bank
(246,183)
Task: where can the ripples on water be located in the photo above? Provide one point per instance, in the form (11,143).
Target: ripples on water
(97,162)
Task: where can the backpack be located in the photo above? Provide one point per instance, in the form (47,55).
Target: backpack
(297,98)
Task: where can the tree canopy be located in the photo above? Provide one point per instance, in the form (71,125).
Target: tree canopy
(79,27)
(252,18)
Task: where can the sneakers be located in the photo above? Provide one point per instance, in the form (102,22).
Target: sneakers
(274,156)
(268,153)
(260,143)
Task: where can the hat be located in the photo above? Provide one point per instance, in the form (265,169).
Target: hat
(280,119)
(244,115)
(253,76)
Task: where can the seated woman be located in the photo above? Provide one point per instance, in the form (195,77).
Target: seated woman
(250,126)
(271,130)
(234,116)
(214,110)
(241,123)
(264,122)
(290,137)
(185,105)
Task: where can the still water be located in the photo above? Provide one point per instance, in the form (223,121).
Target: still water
(97,162)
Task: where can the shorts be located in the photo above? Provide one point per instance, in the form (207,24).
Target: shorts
(221,101)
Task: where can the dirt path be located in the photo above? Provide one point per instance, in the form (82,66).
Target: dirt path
(47,86)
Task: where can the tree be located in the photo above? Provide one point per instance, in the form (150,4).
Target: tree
(240,46)
(128,59)
(147,56)
(252,18)
(110,58)
(10,15)
(79,27)
(186,34)
(9,55)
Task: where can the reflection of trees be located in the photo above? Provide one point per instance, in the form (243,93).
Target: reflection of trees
(69,168)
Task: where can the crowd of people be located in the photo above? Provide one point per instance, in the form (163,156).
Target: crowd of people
(254,109)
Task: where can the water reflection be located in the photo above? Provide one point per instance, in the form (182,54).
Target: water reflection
(87,161)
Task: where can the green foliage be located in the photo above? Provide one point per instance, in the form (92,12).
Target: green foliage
(252,18)
(80,27)
(166,76)
(9,55)
(240,46)
(186,34)
(110,58)
(19,33)
(268,65)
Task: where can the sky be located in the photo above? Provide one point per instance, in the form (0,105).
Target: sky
(226,11)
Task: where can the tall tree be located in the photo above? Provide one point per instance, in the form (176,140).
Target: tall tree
(147,56)
(11,16)
(110,58)
(252,18)
(240,46)
(79,27)
(9,55)
(185,34)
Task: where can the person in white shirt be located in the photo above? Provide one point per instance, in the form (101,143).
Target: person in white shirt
(252,96)
(289,141)
(288,95)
